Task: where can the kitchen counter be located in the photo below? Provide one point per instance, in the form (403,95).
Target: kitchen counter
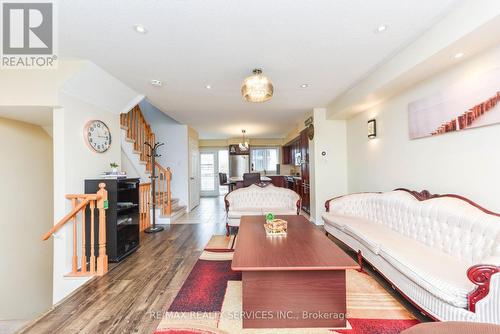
(240,179)
(284,175)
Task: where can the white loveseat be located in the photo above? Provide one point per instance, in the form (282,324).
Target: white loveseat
(257,200)
(440,252)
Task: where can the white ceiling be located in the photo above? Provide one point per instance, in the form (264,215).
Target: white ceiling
(37,115)
(191,43)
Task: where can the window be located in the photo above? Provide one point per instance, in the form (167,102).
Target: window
(264,159)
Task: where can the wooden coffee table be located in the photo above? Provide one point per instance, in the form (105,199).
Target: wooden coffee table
(293,281)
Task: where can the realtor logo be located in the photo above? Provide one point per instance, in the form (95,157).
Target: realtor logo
(27,34)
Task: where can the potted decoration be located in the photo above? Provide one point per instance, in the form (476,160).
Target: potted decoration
(274,226)
(114,167)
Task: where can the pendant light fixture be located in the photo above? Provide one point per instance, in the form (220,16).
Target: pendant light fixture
(257,87)
(244,143)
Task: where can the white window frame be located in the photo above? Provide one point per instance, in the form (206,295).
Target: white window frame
(273,171)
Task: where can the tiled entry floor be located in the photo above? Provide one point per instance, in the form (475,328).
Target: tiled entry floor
(210,211)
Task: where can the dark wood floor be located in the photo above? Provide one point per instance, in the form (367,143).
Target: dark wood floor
(124,300)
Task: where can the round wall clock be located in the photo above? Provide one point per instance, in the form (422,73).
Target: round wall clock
(97,136)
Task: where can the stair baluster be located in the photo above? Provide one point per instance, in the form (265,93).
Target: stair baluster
(139,131)
(80,203)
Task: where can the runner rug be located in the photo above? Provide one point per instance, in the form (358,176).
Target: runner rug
(209,302)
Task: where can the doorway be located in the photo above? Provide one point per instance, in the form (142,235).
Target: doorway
(209,174)
(213,162)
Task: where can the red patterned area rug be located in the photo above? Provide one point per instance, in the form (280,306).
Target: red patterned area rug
(209,302)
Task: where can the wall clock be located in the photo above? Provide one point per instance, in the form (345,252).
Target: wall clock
(97,136)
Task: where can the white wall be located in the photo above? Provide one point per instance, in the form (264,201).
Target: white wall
(27,213)
(77,91)
(329,172)
(194,169)
(73,163)
(465,163)
(174,153)
(128,166)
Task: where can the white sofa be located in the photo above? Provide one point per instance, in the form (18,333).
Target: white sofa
(260,200)
(441,252)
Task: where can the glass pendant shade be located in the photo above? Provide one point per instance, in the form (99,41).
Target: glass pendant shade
(244,143)
(257,87)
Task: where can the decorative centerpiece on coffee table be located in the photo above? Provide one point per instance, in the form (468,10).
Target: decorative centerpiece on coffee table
(274,226)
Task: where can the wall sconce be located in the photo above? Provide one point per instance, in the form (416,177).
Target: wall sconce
(372,128)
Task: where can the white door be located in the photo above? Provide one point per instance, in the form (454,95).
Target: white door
(209,175)
(194,175)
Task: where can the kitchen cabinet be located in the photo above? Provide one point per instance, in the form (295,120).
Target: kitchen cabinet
(286,153)
(292,153)
(304,171)
(235,150)
(297,186)
(296,153)
(278,181)
(306,197)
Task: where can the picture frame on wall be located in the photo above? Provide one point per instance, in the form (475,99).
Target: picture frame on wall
(469,104)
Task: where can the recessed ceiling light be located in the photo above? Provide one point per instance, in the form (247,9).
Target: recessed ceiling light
(156,83)
(459,55)
(140,28)
(381,28)
(208,87)
(304,86)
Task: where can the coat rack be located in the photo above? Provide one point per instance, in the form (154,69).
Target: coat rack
(153,177)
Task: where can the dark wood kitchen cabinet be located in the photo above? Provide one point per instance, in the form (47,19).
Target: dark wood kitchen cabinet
(278,181)
(296,152)
(304,171)
(286,153)
(306,197)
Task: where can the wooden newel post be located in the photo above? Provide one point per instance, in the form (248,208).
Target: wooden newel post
(102,205)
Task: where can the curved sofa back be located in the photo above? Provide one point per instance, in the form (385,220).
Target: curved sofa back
(258,197)
(450,224)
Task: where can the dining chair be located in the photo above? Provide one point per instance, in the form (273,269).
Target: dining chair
(251,178)
(223,181)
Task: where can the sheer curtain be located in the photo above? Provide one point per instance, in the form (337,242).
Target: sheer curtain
(264,159)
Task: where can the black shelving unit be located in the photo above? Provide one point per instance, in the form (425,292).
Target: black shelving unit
(122,217)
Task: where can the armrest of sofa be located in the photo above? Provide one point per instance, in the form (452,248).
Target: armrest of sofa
(298,205)
(480,275)
(327,203)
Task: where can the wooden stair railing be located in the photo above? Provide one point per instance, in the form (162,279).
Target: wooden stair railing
(163,190)
(96,265)
(144,206)
(138,132)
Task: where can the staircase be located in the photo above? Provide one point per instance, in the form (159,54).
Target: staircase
(135,132)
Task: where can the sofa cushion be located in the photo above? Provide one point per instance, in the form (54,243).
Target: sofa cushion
(244,212)
(335,220)
(360,229)
(442,275)
(439,273)
(369,234)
